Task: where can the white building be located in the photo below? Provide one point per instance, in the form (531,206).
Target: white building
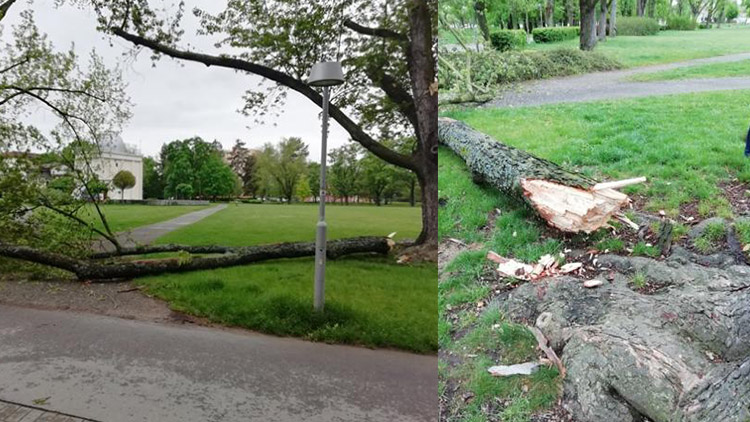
(114,156)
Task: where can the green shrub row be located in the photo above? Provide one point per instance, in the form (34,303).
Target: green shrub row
(681,23)
(508,39)
(555,34)
(634,25)
(490,69)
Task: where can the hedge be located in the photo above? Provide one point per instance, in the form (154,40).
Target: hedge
(490,69)
(508,39)
(681,23)
(634,25)
(555,34)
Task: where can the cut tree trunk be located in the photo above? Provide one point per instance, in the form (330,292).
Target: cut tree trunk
(94,269)
(567,201)
(678,351)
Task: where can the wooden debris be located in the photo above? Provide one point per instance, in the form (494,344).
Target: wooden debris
(664,240)
(547,266)
(544,346)
(590,284)
(627,221)
(618,183)
(526,368)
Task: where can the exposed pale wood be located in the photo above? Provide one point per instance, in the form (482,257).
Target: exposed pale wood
(627,221)
(572,209)
(544,346)
(616,184)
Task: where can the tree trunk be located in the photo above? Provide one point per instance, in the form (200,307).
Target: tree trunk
(412,188)
(424,92)
(640,6)
(93,269)
(549,13)
(651,7)
(565,200)
(676,350)
(613,19)
(588,24)
(603,20)
(479,13)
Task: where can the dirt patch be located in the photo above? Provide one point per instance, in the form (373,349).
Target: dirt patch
(122,299)
(737,193)
(449,249)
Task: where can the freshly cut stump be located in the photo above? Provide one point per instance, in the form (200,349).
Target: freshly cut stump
(568,201)
(678,354)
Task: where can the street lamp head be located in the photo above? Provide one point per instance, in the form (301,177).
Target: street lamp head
(326,74)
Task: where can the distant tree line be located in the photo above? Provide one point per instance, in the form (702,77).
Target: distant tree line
(193,168)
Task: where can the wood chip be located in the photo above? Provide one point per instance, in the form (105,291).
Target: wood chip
(592,283)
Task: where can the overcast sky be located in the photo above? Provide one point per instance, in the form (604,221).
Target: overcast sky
(177,100)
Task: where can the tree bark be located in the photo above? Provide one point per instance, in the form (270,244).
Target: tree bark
(93,269)
(549,13)
(479,13)
(603,20)
(613,19)
(588,24)
(567,201)
(640,7)
(678,351)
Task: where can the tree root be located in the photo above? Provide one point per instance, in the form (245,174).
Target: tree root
(679,354)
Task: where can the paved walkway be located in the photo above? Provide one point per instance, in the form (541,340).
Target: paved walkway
(614,84)
(11,412)
(115,370)
(147,234)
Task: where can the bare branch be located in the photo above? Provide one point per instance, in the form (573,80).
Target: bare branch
(356,132)
(375,32)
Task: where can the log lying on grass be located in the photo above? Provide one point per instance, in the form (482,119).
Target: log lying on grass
(568,201)
(92,269)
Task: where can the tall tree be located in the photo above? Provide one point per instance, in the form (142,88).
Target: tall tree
(392,50)
(243,161)
(344,171)
(200,165)
(153,185)
(285,163)
(313,179)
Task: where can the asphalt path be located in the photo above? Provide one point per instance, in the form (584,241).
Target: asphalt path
(112,369)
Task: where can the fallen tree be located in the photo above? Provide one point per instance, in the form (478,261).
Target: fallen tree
(98,269)
(568,201)
(677,350)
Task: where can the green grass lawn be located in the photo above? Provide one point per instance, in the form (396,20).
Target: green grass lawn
(125,217)
(370,301)
(268,223)
(713,70)
(684,144)
(666,47)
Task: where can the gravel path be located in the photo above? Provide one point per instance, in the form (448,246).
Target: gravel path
(614,84)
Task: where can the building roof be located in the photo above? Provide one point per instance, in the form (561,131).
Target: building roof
(112,143)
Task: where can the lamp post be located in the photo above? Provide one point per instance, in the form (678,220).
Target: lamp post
(325,74)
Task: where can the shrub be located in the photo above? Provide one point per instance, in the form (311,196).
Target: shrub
(681,23)
(555,34)
(508,39)
(490,69)
(633,25)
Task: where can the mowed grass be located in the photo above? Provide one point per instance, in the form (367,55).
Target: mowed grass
(370,300)
(713,70)
(126,217)
(684,144)
(253,224)
(666,47)
(669,46)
